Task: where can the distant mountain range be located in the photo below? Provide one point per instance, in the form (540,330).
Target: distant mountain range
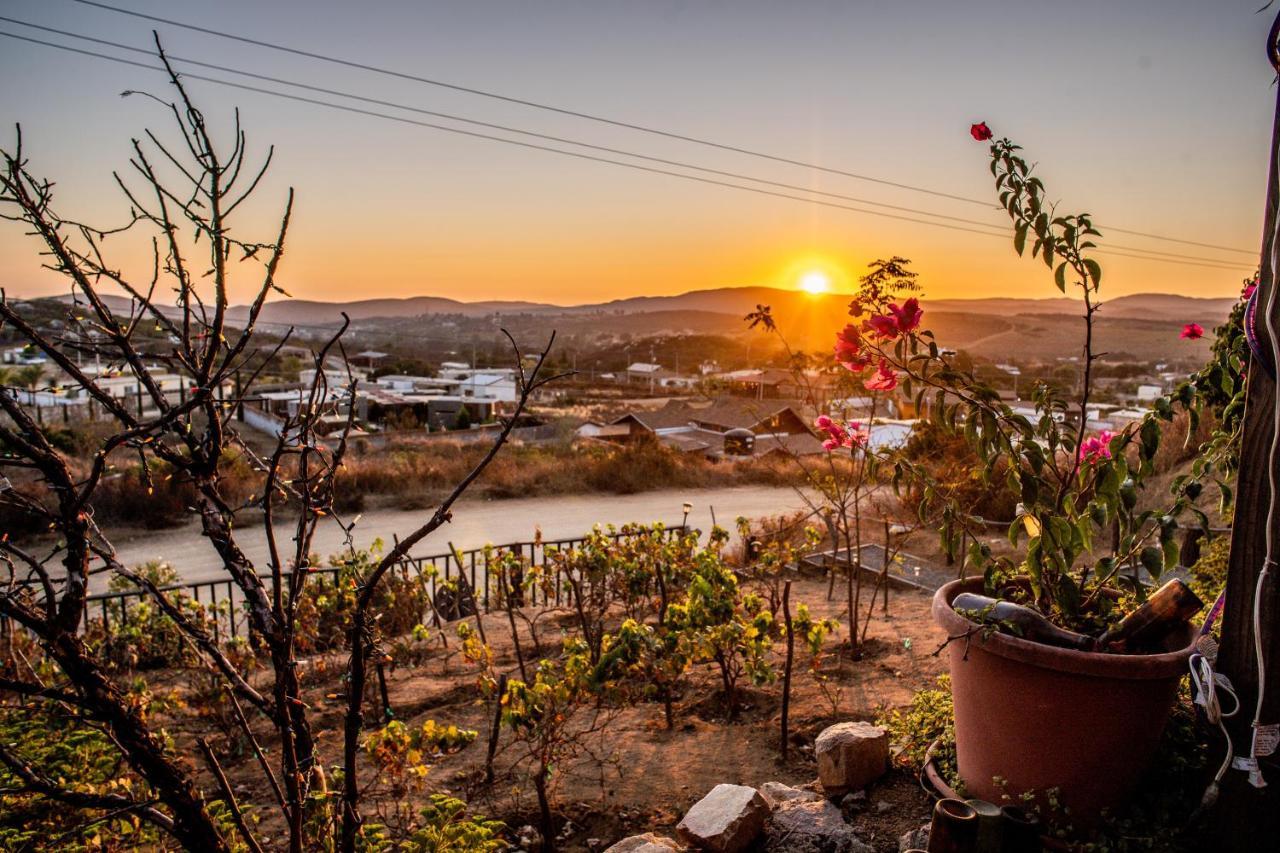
(1142,326)
(738,301)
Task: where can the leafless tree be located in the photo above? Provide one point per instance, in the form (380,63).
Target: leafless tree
(185,194)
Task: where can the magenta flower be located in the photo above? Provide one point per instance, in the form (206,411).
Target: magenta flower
(980,131)
(884,326)
(840,435)
(907,315)
(1248,290)
(1096,447)
(884,379)
(1192,332)
(901,319)
(850,351)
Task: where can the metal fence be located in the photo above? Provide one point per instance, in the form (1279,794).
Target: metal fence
(223,601)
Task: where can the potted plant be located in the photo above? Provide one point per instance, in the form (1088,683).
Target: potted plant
(1031,716)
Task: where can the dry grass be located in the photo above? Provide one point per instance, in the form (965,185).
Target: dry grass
(419,473)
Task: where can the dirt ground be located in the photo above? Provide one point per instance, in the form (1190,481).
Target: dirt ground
(634,775)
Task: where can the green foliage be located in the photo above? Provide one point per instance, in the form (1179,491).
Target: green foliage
(1209,574)
(1080,518)
(135,634)
(928,719)
(328,599)
(718,623)
(641,570)
(60,748)
(447,828)
(400,752)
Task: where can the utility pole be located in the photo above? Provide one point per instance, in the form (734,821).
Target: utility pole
(1246,815)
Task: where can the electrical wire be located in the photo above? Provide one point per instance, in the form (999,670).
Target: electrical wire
(1205,686)
(606,120)
(511,129)
(1182,260)
(566,141)
(1253,768)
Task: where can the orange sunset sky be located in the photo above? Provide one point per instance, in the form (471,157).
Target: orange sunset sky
(1153,116)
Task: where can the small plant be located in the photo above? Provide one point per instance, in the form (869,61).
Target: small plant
(927,723)
(544,718)
(447,828)
(401,751)
(813,633)
(720,624)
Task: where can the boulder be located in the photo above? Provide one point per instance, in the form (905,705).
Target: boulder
(776,793)
(647,843)
(808,826)
(726,820)
(851,756)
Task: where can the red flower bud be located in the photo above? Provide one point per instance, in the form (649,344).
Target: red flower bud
(980,131)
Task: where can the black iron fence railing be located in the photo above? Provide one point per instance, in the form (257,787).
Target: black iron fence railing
(454,583)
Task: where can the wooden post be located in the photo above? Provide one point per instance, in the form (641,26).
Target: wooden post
(1245,815)
(786,674)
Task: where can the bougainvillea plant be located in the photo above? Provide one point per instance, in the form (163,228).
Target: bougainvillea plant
(1080,528)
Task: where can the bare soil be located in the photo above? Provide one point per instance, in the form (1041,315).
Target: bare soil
(633,775)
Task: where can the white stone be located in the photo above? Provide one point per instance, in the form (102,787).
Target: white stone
(851,756)
(776,793)
(805,826)
(726,820)
(647,843)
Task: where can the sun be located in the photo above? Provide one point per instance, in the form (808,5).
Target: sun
(815,281)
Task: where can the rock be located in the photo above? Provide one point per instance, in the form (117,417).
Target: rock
(647,843)
(805,826)
(851,756)
(916,839)
(776,793)
(726,820)
(529,838)
(854,800)
(883,806)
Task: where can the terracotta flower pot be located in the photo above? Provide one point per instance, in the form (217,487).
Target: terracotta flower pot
(1041,717)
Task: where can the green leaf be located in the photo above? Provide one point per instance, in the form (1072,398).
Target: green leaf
(1060,277)
(1020,238)
(1095,271)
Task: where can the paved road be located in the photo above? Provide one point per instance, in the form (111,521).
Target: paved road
(476,523)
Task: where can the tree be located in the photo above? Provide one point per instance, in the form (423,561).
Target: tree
(198,252)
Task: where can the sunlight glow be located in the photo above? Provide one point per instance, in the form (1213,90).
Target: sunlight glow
(815,281)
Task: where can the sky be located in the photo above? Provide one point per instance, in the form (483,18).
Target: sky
(1152,115)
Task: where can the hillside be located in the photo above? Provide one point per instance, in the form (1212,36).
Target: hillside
(1141,326)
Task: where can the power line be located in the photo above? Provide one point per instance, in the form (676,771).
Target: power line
(1222,265)
(566,141)
(510,129)
(608,121)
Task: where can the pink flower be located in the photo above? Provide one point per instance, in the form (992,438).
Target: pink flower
(884,326)
(1249,288)
(1096,447)
(840,435)
(900,320)
(1192,332)
(907,315)
(980,131)
(850,351)
(884,379)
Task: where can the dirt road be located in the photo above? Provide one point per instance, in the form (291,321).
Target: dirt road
(476,523)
